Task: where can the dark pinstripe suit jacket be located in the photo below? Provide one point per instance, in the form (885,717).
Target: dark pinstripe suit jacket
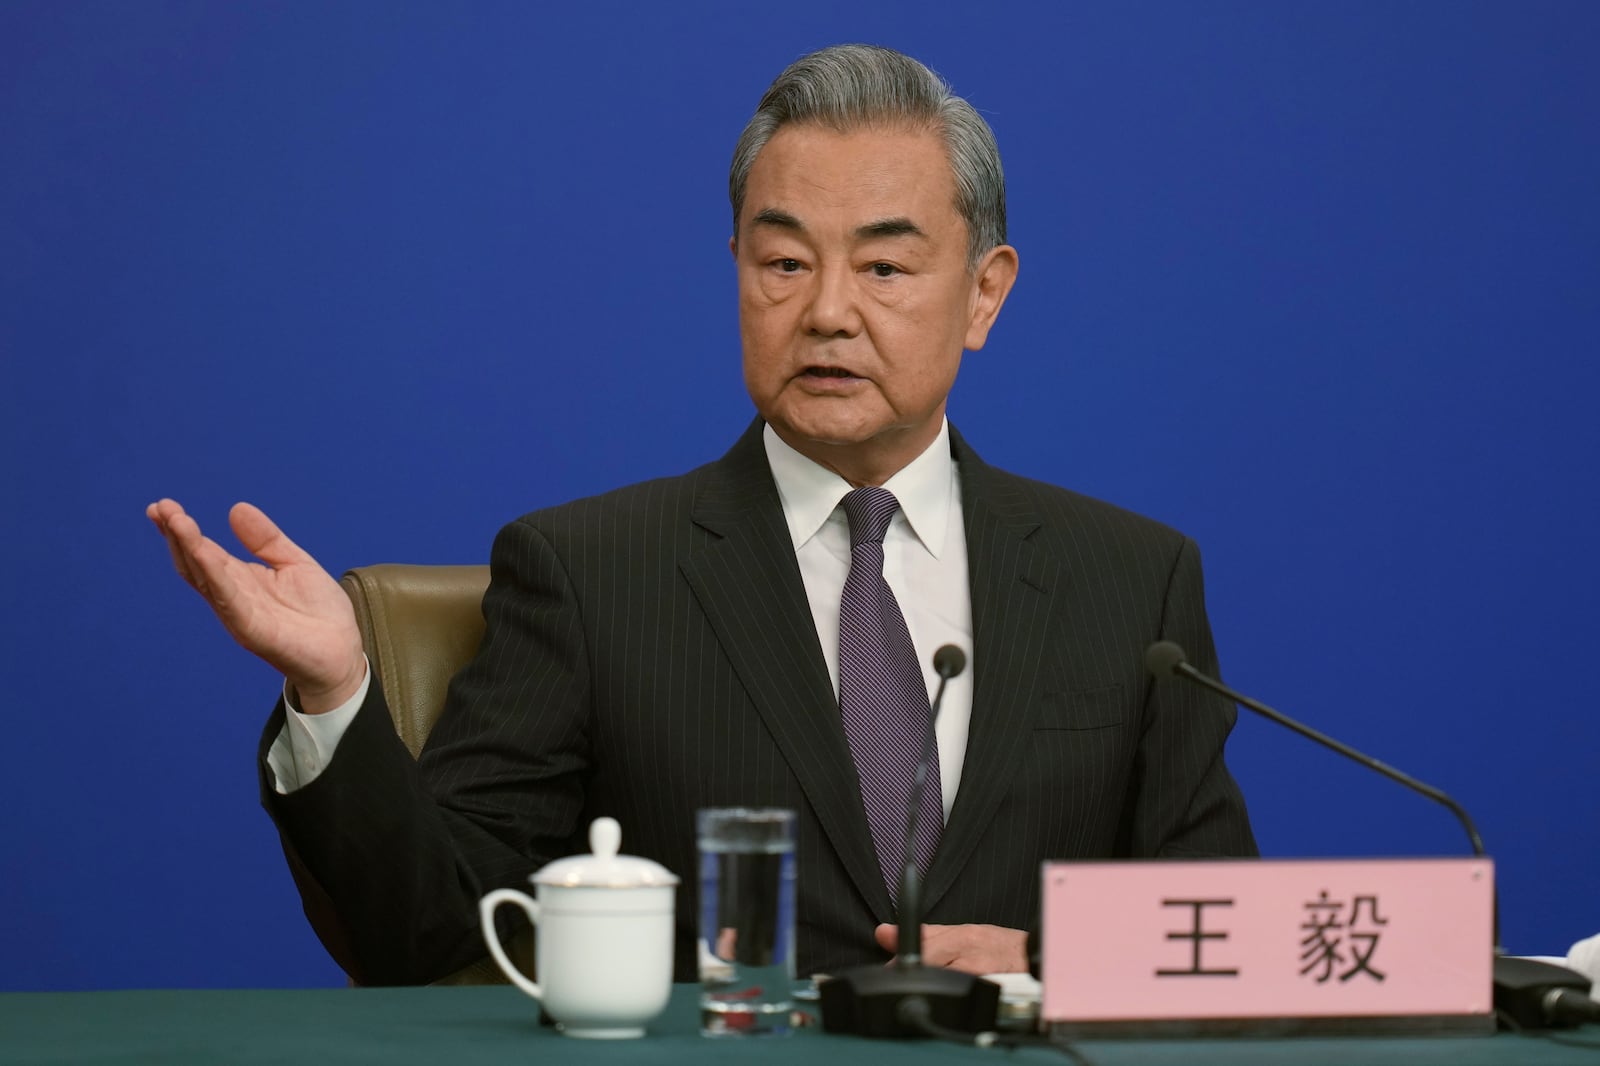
(651,651)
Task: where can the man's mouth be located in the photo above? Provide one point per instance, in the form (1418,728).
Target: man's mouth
(828,372)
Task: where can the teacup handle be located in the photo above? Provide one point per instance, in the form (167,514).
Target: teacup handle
(486,909)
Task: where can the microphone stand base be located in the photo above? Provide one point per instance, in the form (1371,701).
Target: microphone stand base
(865,1001)
(1522,988)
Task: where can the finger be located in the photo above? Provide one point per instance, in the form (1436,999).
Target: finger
(213,571)
(180,559)
(182,535)
(887,936)
(262,536)
(203,562)
(162,511)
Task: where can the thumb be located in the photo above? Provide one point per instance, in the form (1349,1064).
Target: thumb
(887,936)
(263,538)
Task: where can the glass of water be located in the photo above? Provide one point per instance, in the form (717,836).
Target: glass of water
(746,944)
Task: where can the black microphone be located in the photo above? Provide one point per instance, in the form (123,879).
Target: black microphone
(910,999)
(1536,995)
(948,662)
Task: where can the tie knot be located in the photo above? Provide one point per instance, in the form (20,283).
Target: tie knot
(870,510)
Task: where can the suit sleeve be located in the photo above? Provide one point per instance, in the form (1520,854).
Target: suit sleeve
(391,856)
(1186,803)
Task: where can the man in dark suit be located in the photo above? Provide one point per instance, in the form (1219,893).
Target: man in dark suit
(694,642)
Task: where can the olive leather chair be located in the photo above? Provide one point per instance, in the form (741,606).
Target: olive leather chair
(419,625)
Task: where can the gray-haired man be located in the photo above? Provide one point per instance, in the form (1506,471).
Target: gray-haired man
(678,644)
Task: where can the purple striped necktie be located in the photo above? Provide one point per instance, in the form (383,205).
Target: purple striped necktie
(882,695)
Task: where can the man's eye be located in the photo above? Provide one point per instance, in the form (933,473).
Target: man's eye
(885,270)
(787,266)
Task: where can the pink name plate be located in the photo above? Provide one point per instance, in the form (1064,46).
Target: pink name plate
(1268,946)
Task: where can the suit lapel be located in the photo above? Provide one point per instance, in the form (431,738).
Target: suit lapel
(1012,586)
(748,583)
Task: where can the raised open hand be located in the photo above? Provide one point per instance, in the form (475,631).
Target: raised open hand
(290,611)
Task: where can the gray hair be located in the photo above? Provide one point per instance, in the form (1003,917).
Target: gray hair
(850,86)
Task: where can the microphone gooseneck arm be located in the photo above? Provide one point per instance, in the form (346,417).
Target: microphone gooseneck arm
(1160,660)
(949,661)
(911,999)
(1164,658)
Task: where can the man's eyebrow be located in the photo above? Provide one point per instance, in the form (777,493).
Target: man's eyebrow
(899,226)
(771,216)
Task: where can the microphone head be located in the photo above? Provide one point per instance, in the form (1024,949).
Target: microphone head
(949,661)
(1163,657)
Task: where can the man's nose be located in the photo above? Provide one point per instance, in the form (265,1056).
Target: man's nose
(833,311)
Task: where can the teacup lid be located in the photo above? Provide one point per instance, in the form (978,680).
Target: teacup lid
(604,868)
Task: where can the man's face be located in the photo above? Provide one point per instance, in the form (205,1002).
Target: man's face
(855,299)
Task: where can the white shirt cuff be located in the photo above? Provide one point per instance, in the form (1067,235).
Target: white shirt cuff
(1585,958)
(304,747)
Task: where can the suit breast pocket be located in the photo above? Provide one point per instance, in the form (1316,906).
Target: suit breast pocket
(1093,708)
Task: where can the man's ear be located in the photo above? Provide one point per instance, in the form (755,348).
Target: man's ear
(992,281)
(733,245)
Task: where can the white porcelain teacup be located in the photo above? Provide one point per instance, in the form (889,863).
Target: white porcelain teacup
(603,943)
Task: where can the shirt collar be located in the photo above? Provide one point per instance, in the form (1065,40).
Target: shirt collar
(810,493)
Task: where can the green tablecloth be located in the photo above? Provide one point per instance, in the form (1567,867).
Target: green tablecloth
(468,1026)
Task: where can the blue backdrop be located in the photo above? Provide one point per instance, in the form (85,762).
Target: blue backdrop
(1316,283)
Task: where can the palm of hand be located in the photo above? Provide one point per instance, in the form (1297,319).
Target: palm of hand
(296,613)
(286,609)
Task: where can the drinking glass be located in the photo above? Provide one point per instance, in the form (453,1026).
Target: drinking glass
(746,944)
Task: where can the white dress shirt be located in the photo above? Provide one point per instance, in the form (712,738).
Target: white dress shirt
(924,562)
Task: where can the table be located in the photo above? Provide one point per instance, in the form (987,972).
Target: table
(469,1026)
